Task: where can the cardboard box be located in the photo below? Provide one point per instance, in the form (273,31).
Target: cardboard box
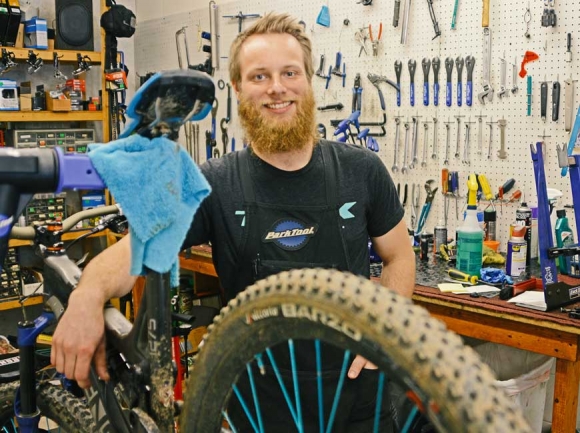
(35,33)
(57,104)
(20,37)
(25,102)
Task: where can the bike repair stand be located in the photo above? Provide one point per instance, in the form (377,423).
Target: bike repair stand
(556,294)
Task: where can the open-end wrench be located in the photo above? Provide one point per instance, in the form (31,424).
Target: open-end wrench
(467,141)
(425,144)
(543,99)
(459,62)
(469,65)
(490,123)
(503,91)
(398,70)
(556,99)
(480,134)
(568,102)
(435,154)
(448,89)
(447,141)
(501,153)
(405,29)
(487,92)
(457,155)
(426,64)
(396,13)
(415,140)
(515,76)
(405,167)
(436,65)
(412,68)
(395,167)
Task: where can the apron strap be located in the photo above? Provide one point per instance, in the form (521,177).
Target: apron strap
(243,161)
(330,163)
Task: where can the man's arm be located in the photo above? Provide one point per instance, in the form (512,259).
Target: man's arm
(394,248)
(79,336)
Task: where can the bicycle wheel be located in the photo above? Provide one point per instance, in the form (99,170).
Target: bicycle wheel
(444,380)
(65,410)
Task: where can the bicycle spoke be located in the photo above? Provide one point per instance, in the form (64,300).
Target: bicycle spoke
(410,419)
(255,397)
(299,425)
(282,386)
(229,421)
(379,402)
(319,385)
(245,407)
(338,391)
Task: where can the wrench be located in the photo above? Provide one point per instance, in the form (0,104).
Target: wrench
(501,153)
(425,144)
(398,69)
(426,63)
(447,142)
(405,168)
(466,147)
(490,123)
(395,167)
(459,62)
(503,91)
(412,68)
(405,23)
(568,102)
(469,64)
(435,155)
(449,69)
(479,134)
(515,76)
(415,141)
(436,65)
(487,92)
(458,137)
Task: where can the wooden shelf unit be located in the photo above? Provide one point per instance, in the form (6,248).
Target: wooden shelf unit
(68,56)
(51,116)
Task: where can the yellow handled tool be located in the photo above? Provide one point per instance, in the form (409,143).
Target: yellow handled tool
(456,274)
(485,188)
(485,14)
(472,187)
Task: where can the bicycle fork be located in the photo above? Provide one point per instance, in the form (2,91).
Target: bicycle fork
(27,413)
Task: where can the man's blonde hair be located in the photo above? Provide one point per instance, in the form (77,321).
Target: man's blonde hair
(271,23)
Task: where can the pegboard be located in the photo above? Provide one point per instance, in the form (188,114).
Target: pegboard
(155,49)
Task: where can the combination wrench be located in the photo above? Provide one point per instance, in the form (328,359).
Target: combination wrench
(459,62)
(415,140)
(435,155)
(398,70)
(503,91)
(395,167)
(469,65)
(405,168)
(515,76)
(405,28)
(501,153)
(449,69)
(425,144)
(467,142)
(487,92)
(490,123)
(426,64)
(457,155)
(447,142)
(436,65)
(412,68)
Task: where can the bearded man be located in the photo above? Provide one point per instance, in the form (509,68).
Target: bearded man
(289,200)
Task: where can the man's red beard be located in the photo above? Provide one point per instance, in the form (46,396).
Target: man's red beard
(268,136)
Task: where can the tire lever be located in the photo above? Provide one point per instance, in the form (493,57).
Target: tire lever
(556,99)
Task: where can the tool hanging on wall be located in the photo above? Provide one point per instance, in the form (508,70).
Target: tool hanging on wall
(489,144)
(83,64)
(569,47)
(514,88)
(448,88)
(357,94)
(529,95)
(412,68)
(459,62)
(405,26)
(549,18)
(336,70)
(469,65)
(454,18)
(543,99)
(213,31)
(375,80)
(323,17)
(398,70)
(485,14)
(556,99)
(376,42)
(7,61)
(527,19)
(34,62)
(426,64)
(529,56)
(203,67)
(433,19)
(502,153)
(241,17)
(396,13)
(436,66)
(568,103)
(56,64)
(503,91)
(487,92)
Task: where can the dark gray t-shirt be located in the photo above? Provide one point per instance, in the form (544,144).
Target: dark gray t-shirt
(363,180)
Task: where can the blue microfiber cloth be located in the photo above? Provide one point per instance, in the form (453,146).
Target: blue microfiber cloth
(495,276)
(159,189)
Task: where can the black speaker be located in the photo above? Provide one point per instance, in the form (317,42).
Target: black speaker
(74,25)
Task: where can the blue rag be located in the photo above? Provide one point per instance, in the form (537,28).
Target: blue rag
(159,189)
(495,276)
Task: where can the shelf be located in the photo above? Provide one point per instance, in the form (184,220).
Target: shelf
(51,116)
(10,304)
(66,237)
(68,56)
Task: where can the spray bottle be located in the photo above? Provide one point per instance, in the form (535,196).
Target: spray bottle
(470,235)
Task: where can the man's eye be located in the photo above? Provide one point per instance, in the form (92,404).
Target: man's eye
(259,77)
(290,73)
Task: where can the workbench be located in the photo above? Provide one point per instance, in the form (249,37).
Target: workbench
(549,333)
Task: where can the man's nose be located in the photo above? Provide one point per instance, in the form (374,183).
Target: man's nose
(276,86)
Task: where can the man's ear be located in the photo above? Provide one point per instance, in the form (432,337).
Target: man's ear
(237,89)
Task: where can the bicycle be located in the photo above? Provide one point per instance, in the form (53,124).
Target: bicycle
(441,378)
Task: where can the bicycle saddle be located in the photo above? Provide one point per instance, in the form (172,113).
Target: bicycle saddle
(168,100)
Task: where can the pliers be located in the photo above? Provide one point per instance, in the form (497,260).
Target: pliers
(375,80)
(427,205)
(357,94)
(375,42)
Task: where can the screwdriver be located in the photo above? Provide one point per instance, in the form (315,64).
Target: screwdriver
(455,190)
(456,274)
(515,196)
(485,188)
(506,187)
(444,191)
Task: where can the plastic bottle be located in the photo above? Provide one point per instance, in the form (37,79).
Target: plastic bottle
(490,217)
(534,243)
(517,252)
(470,235)
(524,218)
(564,237)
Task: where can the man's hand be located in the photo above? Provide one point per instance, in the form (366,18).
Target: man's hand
(357,365)
(79,339)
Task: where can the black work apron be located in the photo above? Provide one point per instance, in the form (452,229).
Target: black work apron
(284,237)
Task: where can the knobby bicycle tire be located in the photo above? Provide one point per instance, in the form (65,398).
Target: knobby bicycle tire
(69,412)
(367,319)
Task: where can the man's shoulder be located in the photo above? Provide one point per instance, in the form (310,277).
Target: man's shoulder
(350,154)
(221,168)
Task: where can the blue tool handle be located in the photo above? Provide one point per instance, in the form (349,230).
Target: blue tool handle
(459,94)
(208,152)
(398,98)
(213,128)
(338,60)
(423,217)
(573,138)
(342,126)
(233,144)
(436,94)
(425,94)
(382,100)
(469,95)
(448,95)
(364,133)
(344,75)
(412,95)
(206,36)
(328,77)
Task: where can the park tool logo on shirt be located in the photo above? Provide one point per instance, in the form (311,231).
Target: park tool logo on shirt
(290,234)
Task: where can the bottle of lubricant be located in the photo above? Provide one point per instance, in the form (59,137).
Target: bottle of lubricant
(517,252)
(470,235)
